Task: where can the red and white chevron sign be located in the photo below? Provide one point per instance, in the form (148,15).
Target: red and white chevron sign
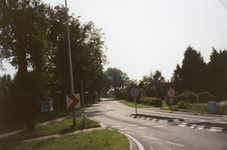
(73,101)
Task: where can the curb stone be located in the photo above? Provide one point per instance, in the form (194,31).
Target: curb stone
(201,127)
(157,120)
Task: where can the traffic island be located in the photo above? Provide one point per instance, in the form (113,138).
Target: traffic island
(156,118)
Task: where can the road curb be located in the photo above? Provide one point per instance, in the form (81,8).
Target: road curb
(201,127)
(188,113)
(158,120)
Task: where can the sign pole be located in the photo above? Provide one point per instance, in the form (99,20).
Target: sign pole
(70,62)
(83,100)
(135,105)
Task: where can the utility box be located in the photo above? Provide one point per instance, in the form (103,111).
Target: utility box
(212,107)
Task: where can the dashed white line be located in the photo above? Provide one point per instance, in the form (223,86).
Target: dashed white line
(159,126)
(149,137)
(147,124)
(175,144)
(133,125)
(141,127)
(124,129)
(115,126)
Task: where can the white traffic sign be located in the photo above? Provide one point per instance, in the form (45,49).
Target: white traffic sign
(73,101)
(134,92)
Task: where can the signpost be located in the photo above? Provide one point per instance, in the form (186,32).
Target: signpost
(134,92)
(58,98)
(73,101)
(171,100)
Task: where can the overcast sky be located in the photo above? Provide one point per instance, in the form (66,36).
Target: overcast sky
(150,35)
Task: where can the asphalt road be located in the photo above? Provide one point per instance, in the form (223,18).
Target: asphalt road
(158,136)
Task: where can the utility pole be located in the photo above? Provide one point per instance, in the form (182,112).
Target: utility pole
(70,61)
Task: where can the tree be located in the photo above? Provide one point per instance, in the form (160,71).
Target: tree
(23,31)
(118,80)
(177,80)
(217,73)
(193,71)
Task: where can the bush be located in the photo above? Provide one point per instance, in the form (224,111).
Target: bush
(205,97)
(167,97)
(157,102)
(182,104)
(175,108)
(192,98)
(218,98)
(180,97)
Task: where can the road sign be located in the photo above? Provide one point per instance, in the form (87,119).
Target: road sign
(134,92)
(171,101)
(73,101)
(171,92)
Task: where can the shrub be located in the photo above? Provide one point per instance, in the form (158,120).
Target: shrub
(145,101)
(205,97)
(157,102)
(150,101)
(182,104)
(167,97)
(192,98)
(180,97)
(218,98)
(175,108)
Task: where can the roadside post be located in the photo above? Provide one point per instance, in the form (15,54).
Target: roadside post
(134,92)
(58,98)
(171,100)
(82,83)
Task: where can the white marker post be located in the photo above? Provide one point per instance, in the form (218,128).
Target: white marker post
(134,92)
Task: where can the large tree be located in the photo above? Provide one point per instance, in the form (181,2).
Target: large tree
(23,42)
(193,71)
(217,73)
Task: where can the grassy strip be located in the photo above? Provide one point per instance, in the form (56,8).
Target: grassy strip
(95,140)
(52,128)
(18,125)
(132,104)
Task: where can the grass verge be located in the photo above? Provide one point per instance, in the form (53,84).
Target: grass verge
(52,128)
(132,104)
(39,118)
(95,140)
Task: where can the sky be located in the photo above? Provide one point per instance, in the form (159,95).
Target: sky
(143,36)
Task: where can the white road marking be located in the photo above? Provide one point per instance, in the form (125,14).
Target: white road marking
(133,125)
(147,124)
(159,126)
(201,127)
(149,137)
(151,147)
(140,146)
(115,126)
(124,129)
(216,129)
(193,126)
(141,127)
(175,144)
(183,125)
(176,120)
(129,132)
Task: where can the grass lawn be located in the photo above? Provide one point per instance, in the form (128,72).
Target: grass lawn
(52,128)
(95,140)
(132,104)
